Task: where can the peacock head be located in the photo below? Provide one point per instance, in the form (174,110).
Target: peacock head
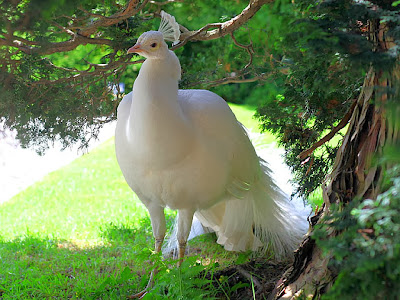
(151,44)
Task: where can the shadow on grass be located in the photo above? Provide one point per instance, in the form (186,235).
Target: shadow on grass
(117,265)
(127,232)
(113,267)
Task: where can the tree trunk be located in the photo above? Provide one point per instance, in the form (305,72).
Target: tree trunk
(353,175)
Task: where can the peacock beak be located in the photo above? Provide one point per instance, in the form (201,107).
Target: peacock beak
(135,49)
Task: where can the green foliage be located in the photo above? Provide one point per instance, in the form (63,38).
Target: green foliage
(322,51)
(187,282)
(60,95)
(206,62)
(315,198)
(366,252)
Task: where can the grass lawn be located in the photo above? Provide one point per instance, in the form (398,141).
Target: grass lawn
(80,233)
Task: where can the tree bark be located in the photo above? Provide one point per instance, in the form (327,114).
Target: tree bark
(354,175)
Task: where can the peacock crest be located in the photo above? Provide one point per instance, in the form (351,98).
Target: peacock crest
(169,28)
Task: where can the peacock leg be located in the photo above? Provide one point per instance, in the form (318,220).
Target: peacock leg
(158,244)
(158,225)
(185,219)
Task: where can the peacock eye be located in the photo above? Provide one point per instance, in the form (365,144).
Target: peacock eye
(153,45)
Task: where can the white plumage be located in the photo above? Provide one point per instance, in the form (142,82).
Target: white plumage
(169,28)
(185,149)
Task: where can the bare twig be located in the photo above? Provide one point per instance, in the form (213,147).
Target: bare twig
(249,48)
(89,13)
(24,41)
(92,70)
(51,48)
(239,77)
(64,29)
(15,43)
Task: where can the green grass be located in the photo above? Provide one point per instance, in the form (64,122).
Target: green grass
(80,233)
(71,202)
(245,114)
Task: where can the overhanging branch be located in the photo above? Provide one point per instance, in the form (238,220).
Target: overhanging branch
(82,35)
(222,29)
(88,34)
(131,9)
(79,35)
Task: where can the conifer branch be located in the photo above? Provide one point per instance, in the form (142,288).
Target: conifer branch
(331,134)
(131,9)
(82,35)
(79,35)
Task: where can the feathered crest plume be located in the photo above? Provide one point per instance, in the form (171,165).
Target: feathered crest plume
(169,28)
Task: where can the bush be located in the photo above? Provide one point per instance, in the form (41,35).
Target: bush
(366,252)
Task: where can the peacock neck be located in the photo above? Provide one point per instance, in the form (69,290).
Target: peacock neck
(156,113)
(156,88)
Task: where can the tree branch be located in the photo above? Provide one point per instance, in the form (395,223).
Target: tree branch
(233,79)
(131,9)
(92,70)
(224,28)
(15,43)
(80,37)
(249,48)
(330,135)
